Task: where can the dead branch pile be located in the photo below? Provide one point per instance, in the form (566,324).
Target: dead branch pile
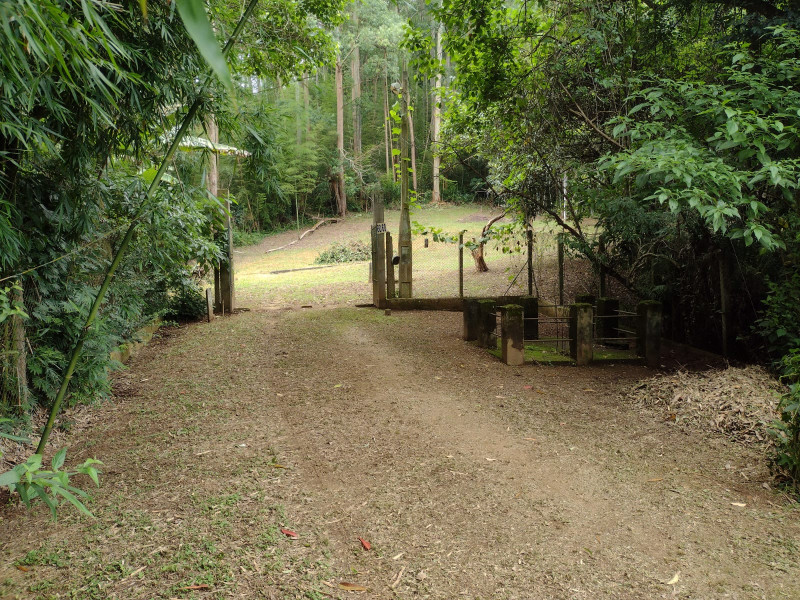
(737,402)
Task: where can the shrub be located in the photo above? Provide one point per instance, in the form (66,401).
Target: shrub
(341,253)
(787,431)
(188,303)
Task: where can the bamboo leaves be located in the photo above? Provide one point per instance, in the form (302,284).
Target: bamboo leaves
(193,14)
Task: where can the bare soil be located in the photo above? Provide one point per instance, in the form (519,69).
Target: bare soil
(468,478)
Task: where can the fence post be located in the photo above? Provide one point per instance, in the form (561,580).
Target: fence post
(470,333)
(378,256)
(511,329)
(487,322)
(461,265)
(607,317)
(580,333)
(649,334)
(530,261)
(390,287)
(530,310)
(560,269)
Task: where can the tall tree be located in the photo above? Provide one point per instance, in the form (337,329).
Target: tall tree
(339,185)
(436,118)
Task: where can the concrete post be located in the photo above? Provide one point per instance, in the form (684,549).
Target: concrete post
(470,333)
(580,333)
(511,329)
(530,309)
(649,338)
(487,322)
(607,318)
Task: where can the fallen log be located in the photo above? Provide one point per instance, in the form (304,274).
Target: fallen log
(305,233)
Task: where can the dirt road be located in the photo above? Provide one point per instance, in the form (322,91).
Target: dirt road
(468,478)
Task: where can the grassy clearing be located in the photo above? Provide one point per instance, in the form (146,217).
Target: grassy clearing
(435,267)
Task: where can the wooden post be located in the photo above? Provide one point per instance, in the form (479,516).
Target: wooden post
(601,248)
(470,331)
(530,309)
(649,334)
(487,323)
(580,333)
(607,318)
(512,347)
(560,270)
(379,257)
(404,236)
(390,285)
(530,261)
(461,265)
(210,303)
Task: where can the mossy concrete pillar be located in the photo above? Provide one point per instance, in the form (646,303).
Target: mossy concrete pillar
(470,333)
(530,310)
(487,323)
(607,318)
(580,333)
(649,332)
(512,346)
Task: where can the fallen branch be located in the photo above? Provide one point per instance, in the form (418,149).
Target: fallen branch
(305,233)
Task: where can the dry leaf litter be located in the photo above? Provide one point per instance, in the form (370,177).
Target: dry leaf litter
(737,402)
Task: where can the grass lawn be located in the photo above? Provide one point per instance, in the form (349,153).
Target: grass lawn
(435,267)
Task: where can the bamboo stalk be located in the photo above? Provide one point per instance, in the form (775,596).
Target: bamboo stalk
(76,351)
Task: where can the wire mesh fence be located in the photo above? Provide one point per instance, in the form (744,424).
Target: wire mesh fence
(444,269)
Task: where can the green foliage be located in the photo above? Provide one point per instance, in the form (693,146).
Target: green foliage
(193,15)
(786,431)
(51,486)
(340,253)
(187,302)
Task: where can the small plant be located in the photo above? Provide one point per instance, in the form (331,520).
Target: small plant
(342,253)
(786,431)
(32,482)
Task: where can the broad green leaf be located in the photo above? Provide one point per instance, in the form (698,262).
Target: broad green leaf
(195,19)
(58,459)
(9,478)
(73,500)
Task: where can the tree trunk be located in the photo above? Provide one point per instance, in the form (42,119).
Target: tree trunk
(355,72)
(341,197)
(436,122)
(307,107)
(412,139)
(298,111)
(223,275)
(477,252)
(387,125)
(18,347)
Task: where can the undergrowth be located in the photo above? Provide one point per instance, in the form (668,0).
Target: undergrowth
(340,253)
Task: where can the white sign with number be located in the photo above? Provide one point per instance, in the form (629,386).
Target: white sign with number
(380,228)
